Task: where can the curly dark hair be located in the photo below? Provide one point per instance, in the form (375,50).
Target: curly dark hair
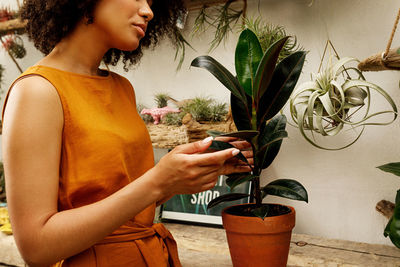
(51,20)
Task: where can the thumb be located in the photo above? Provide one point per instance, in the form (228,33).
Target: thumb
(195,147)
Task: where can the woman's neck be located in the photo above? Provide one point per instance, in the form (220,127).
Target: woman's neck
(80,52)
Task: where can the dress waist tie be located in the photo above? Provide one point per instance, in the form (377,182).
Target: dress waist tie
(169,244)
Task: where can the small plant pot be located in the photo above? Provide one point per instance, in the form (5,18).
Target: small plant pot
(255,242)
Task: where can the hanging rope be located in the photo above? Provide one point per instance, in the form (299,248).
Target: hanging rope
(387,60)
(392,35)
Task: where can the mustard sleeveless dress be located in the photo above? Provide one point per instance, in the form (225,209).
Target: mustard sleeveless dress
(105,146)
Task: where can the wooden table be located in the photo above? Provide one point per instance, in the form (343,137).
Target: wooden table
(201,246)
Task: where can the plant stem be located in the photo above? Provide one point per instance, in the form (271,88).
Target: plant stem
(258,190)
(12,57)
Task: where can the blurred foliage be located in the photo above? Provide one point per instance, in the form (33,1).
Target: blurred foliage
(174,119)
(145,117)
(268,34)
(161,99)
(206,109)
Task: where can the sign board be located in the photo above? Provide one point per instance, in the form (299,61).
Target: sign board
(193,208)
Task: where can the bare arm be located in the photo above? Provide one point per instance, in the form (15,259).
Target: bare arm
(32,132)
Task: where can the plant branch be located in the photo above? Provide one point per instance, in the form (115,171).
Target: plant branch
(12,57)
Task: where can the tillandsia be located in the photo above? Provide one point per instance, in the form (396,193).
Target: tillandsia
(392,229)
(259,90)
(336,97)
(161,99)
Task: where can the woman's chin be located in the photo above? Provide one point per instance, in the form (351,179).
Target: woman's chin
(128,47)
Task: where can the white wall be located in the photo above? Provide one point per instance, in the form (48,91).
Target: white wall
(343,186)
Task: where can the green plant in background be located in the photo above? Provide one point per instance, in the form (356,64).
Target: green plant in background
(333,99)
(161,99)
(226,16)
(205,109)
(1,74)
(2,184)
(268,34)
(259,90)
(392,229)
(174,119)
(221,19)
(145,117)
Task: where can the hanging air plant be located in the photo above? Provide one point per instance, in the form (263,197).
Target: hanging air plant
(14,45)
(335,97)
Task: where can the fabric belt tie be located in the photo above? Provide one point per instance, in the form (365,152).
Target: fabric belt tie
(158,229)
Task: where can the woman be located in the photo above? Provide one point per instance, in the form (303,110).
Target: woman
(81,185)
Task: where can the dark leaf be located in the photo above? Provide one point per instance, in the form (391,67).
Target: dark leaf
(214,133)
(241,113)
(276,124)
(393,227)
(393,168)
(276,137)
(221,73)
(225,198)
(219,145)
(266,68)
(286,188)
(238,178)
(282,84)
(247,58)
(247,135)
(261,212)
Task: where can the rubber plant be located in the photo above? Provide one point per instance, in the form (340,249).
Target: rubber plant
(392,229)
(259,90)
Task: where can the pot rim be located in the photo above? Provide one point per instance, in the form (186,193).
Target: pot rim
(253,225)
(292,210)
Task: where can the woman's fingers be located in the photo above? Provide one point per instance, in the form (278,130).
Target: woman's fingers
(214,158)
(242,145)
(195,147)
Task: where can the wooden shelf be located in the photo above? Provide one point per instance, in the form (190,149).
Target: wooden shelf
(12,25)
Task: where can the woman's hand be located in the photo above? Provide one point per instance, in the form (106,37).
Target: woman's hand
(243,146)
(187,170)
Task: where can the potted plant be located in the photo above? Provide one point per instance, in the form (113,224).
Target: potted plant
(392,229)
(258,234)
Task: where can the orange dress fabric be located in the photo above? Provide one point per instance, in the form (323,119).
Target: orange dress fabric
(105,146)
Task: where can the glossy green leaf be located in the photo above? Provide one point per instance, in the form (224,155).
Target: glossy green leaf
(393,227)
(225,198)
(247,58)
(277,136)
(286,188)
(239,178)
(221,73)
(281,87)
(241,113)
(266,68)
(276,124)
(261,212)
(219,145)
(393,168)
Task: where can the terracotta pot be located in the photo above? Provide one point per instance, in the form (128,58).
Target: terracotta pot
(254,242)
